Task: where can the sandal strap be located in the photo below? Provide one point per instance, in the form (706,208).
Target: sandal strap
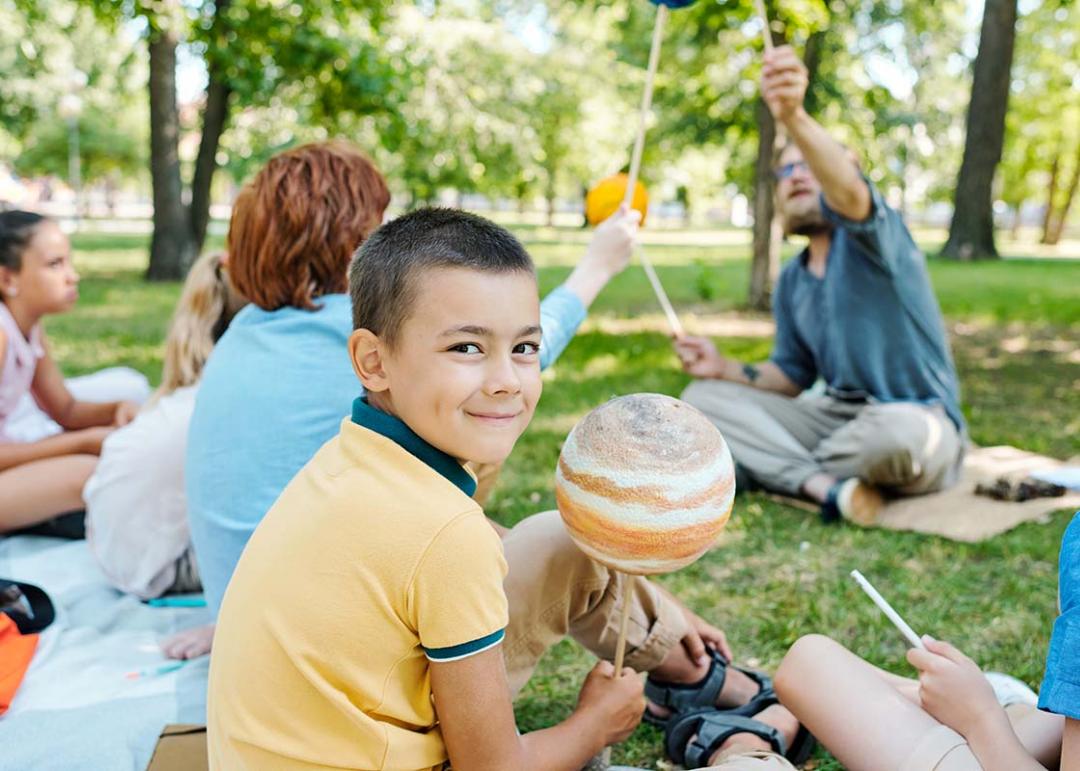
(680,698)
(714,728)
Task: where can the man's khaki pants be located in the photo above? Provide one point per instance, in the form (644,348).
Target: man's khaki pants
(903,447)
(554,590)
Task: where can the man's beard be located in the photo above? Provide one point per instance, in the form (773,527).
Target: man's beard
(808,222)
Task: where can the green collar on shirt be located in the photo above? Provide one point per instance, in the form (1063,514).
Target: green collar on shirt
(392,428)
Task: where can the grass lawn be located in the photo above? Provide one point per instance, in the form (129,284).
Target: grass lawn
(777,573)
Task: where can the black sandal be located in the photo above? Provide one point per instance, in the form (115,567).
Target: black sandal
(713,728)
(681,699)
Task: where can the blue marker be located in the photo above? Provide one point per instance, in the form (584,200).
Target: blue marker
(196,601)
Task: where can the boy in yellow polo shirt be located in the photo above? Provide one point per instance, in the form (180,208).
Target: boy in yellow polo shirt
(371,621)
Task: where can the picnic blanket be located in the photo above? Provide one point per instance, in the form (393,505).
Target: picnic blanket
(76,707)
(961,515)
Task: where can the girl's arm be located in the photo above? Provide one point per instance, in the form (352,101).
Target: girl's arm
(53,396)
(84,442)
(1070,746)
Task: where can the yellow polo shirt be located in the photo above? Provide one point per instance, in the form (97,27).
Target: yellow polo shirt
(372,562)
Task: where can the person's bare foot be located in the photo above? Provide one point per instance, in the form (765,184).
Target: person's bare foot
(190,643)
(776,716)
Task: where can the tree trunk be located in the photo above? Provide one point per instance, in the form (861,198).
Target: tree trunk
(172,248)
(1051,194)
(214,119)
(766,261)
(549,193)
(1054,236)
(971,234)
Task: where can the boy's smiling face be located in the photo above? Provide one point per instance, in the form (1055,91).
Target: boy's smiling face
(464,372)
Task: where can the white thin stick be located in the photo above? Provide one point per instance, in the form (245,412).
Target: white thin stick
(765,32)
(887,609)
(661,295)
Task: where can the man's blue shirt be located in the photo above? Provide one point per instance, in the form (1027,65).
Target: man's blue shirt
(871,327)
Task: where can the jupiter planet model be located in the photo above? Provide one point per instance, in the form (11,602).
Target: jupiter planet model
(645,484)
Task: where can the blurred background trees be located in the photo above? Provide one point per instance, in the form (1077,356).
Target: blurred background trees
(522,104)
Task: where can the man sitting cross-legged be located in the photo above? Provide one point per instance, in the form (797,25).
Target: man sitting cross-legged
(855,309)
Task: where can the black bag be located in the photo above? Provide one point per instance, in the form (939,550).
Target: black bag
(27,605)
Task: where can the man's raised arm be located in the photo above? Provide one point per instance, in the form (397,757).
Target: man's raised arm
(783,87)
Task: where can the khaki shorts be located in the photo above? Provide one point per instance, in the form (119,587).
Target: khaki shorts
(943,749)
(752,761)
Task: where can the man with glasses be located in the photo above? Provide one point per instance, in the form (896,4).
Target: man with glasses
(855,310)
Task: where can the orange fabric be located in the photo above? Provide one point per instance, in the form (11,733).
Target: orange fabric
(16,651)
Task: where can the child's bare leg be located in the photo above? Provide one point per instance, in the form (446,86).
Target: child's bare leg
(39,490)
(845,702)
(190,643)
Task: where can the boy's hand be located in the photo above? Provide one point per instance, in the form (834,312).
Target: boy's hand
(783,82)
(612,705)
(125,413)
(702,637)
(700,358)
(613,242)
(952,688)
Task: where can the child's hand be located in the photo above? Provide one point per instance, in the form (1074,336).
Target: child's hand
(125,413)
(952,688)
(89,440)
(613,705)
(613,242)
(702,637)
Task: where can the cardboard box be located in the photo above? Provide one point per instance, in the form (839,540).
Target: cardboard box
(181,747)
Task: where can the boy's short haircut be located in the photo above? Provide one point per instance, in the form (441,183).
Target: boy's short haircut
(382,278)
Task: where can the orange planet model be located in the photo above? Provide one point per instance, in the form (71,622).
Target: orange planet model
(645,484)
(602,201)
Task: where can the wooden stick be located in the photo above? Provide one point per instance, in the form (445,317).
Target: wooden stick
(646,104)
(620,651)
(635,166)
(661,295)
(624,624)
(765,32)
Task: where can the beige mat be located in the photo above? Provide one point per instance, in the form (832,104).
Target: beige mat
(959,514)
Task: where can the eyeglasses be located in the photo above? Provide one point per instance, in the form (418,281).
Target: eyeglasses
(785,171)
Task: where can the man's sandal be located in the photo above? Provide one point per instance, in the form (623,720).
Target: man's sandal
(711,729)
(692,697)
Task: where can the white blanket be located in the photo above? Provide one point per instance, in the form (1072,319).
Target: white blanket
(77,708)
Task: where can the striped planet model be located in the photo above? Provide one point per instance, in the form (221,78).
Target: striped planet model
(645,484)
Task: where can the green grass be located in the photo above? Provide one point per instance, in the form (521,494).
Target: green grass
(777,574)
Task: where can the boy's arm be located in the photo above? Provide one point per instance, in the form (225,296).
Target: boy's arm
(476,716)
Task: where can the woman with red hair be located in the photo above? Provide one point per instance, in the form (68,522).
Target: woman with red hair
(280,380)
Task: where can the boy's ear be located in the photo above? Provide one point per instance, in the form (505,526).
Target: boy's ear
(366,352)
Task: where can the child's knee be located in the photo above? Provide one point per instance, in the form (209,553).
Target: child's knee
(802,658)
(545,540)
